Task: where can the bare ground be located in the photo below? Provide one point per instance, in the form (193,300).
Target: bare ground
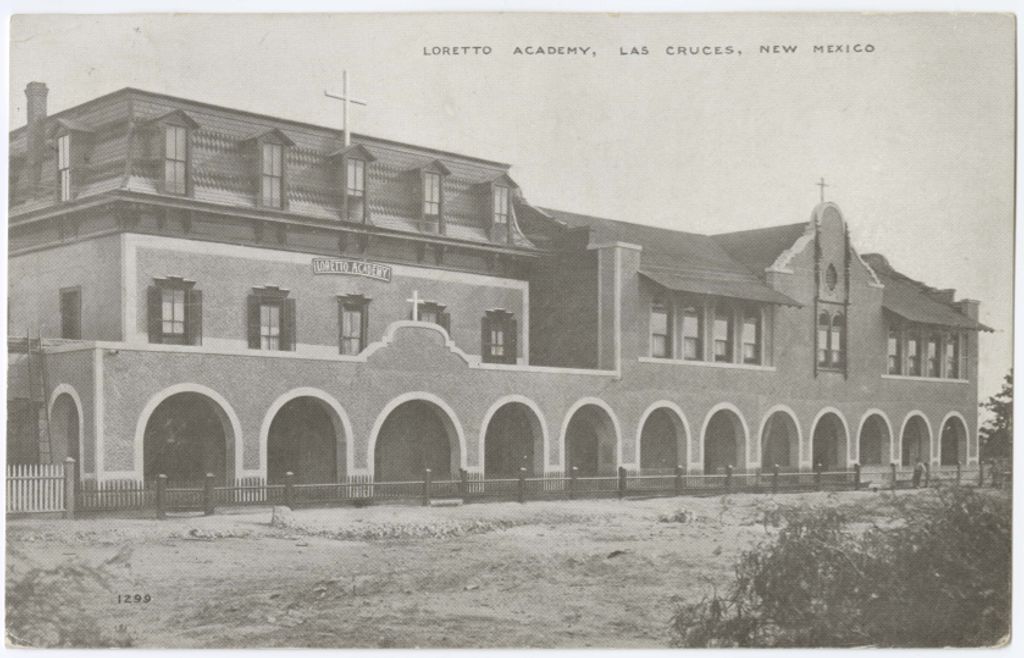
(544,574)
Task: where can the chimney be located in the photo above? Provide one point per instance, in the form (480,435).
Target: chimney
(969,307)
(944,295)
(35,110)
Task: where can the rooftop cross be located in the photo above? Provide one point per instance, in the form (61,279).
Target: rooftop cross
(415,301)
(345,100)
(822,185)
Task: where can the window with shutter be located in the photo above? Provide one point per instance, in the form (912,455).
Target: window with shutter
(498,337)
(270,320)
(175,311)
(352,323)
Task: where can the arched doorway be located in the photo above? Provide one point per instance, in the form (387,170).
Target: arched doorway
(187,436)
(590,442)
(954,442)
(415,436)
(915,442)
(780,443)
(725,442)
(305,439)
(874,441)
(662,442)
(828,444)
(65,431)
(513,440)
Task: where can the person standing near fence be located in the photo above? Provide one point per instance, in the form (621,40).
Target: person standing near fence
(918,473)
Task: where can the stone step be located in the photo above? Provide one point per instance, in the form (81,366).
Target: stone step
(445,502)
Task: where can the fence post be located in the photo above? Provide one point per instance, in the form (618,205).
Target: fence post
(679,480)
(463,483)
(161,494)
(728,477)
(622,482)
(572,482)
(817,476)
(208,495)
(958,472)
(981,473)
(856,477)
(892,473)
(69,488)
(426,487)
(927,474)
(289,490)
(522,484)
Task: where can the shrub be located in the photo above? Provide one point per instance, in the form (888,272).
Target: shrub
(936,574)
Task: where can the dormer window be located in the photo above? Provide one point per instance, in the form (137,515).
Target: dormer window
(353,169)
(272,175)
(355,175)
(501,205)
(431,196)
(64,166)
(176,159)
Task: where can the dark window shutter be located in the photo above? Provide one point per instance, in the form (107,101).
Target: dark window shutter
(511,340)
(485,339)
(155,314)
(445,320)
(194,316)
(252,315)
(341,324)
(365,326)
(288,325)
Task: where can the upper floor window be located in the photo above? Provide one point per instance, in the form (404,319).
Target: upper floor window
(71,313)
(271,320)
(175,312)
(914,355)
(752,336)
(64,166)
(953,352)
(723,334)
(661,333)
(831,340)
(693,332)
(355,178)
(272,175)
(498,335)
(824,327)
(435,314)
(353,319)
(501,205)
(895,353)
(431,196)
(176,160)
(934,358)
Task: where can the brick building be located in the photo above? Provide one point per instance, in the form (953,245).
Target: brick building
(199,289)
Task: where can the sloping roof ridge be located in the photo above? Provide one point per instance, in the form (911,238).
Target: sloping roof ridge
(621,222)
(773,227)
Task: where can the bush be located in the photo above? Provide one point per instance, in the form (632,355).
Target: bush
(936,574)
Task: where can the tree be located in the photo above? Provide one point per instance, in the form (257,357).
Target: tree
(997,432)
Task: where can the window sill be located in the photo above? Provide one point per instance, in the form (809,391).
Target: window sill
(935,380)
(707,364)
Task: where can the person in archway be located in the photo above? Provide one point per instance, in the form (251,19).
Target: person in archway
(918,473)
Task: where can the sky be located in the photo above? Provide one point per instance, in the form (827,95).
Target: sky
(914,139)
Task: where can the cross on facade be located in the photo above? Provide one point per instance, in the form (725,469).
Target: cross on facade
(415,301)
(822,185)
(345,100)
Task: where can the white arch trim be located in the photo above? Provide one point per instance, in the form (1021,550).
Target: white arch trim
(680,416)
(725,406)
(846,430)
(576,406)
(860,430)
(903,428)
(305,392)
(967,434)
(779,408)
(62,389)
(493,409)
(188,387)
(422,396)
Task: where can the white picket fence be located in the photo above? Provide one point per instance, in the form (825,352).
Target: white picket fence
(35,488)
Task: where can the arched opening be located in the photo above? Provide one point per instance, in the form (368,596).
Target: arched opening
(415,436)
(513,440)
(874,441)
(724,442)
(828,446)
(590,442)
(187,436)
(915,442)
(305,439)
(780,443)
(662,442)
(65,428)
(954,442)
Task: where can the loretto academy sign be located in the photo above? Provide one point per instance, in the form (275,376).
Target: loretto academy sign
(349,267)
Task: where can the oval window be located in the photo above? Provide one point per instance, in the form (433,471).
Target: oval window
(831,277)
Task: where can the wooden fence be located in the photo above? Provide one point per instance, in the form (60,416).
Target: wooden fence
(51,488)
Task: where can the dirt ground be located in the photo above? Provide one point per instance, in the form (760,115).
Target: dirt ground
(545,574)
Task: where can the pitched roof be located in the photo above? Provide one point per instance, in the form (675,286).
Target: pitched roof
(678,260)
(759,248)
(915,301)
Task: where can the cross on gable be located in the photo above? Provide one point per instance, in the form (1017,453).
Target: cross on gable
(821,184)
(345,99)
(415,301)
